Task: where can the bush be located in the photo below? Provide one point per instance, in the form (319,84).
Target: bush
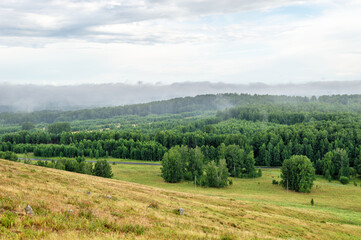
(275,182)
(344,180)
(9,156)
(298,174)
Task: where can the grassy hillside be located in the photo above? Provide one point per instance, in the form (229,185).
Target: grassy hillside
(332,196)
(53,193)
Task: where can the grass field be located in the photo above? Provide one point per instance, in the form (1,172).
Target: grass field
(246,210)
(330,196)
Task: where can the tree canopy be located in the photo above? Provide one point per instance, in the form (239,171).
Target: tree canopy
(298,174)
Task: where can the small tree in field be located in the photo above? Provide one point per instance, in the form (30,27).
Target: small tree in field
(102,169)
(297,174)
(172,166)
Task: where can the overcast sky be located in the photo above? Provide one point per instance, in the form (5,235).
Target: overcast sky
(60,42)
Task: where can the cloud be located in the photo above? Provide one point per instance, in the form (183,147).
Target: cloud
(117,21)
(235,41)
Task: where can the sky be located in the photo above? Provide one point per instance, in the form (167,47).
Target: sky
(62,42)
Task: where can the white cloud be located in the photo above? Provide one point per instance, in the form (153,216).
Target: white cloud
(170,41)
(84,19)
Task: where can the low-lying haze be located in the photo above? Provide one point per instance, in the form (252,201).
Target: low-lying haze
(40,97)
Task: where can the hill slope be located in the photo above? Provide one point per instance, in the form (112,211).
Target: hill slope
(53,193)
(200,103)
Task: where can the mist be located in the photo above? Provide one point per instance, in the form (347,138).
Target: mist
(27,98)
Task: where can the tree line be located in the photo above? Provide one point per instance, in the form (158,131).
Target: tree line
(101,168)
(180,105)
(271,146)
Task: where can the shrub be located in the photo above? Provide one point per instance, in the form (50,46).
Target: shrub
(9,156)
(344,180)
(298,174)
(274,182)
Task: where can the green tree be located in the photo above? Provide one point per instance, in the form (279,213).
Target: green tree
(27,126)
(248,168)
(215,176)
(234,160)
(59,127)
(357,163)
(276,156)
(336,163)
(297,173)
(262,155)
(102,168)
(172,166)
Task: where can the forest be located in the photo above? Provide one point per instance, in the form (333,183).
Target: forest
(268,129)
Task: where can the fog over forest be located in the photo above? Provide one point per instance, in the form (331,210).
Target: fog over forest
(14,98)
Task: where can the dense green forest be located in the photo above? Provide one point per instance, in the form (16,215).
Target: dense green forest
(339,103)
(270,128)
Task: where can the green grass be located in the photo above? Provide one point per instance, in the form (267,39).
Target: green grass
(63,209)
(343,200)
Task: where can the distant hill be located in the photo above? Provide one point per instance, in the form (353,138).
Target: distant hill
(27,98)
(199,103)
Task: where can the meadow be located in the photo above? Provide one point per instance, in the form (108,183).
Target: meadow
(69,205)
(330,197)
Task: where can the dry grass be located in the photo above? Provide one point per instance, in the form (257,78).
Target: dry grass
(126,215)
